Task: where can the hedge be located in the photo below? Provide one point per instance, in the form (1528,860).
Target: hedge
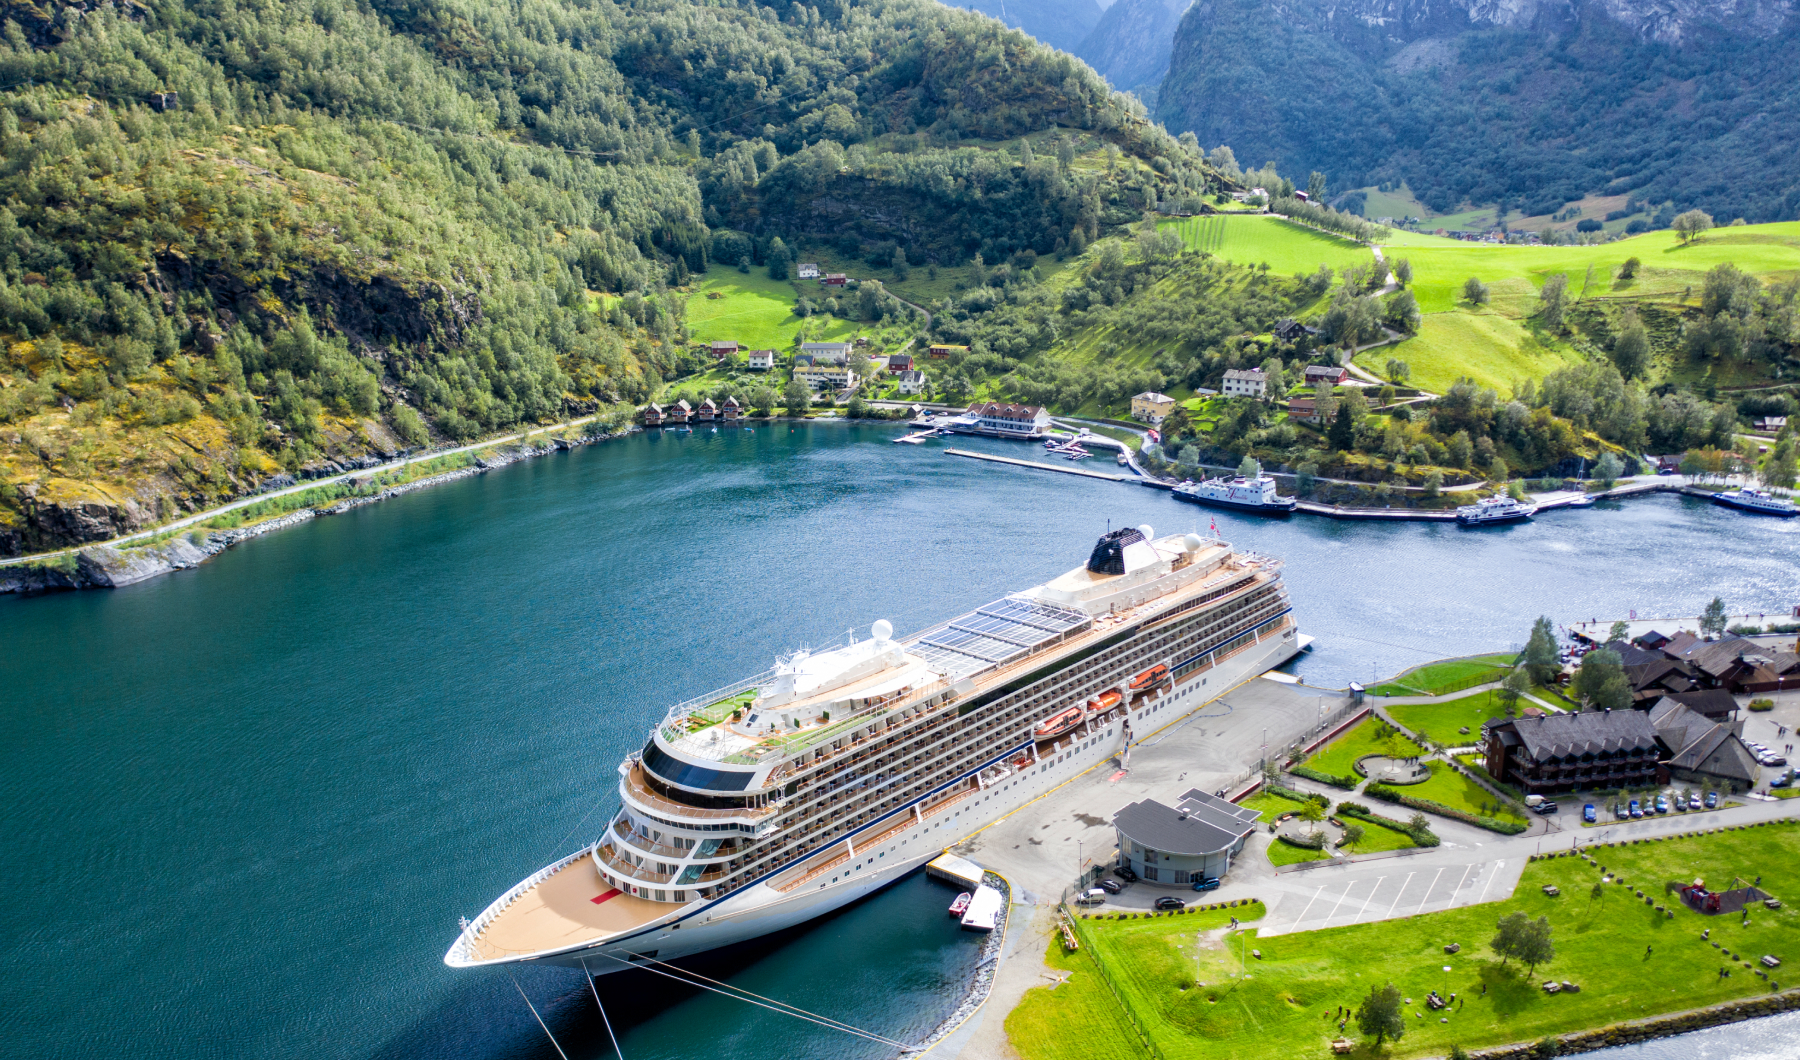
(1424,837)
(1315,841)
(1347,783)
(1387,794)
(1297,796)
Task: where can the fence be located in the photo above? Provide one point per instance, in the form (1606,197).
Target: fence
(1087,946)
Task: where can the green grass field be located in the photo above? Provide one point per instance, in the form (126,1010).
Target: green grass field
(1269,806)
(753,310)
(1457,792)
(1188,988)
(1370,736)
(1376,838)
(1288,248)
(1491,349)
(1441,720)
(1435,679)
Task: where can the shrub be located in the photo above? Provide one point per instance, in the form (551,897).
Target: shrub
(1315,841)
(1761,704)
(1347,783)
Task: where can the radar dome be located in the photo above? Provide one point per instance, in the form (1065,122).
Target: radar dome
(882,629)
(1191,542)
(1149,535)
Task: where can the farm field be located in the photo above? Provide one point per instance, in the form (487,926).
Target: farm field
(1188,989)
(1288,248)
(751,309)
(1491,349)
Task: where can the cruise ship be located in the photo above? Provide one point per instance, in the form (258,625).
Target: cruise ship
(794,792)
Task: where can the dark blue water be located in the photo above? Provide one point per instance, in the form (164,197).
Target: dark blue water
(244,805)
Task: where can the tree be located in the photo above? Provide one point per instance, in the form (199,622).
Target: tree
(1474,291)
(1434,482)
(1553,299)
(1780,469)
(1312,813)
(1343,429)
(1304,478)
(1498,471)
(778,259)
(1461,449)
(1403,312)
(1398,371)
(1315,187)
(1620,630)
(1712,620)
(1631,347)
(797,396)
(1601,682)
(858,408)
(1689,225)
(1517,683)
(1541,658)
(1353,834)
(1250,468)
(1380,1014)
(1608,469)
(1535,946)
(1506,940)
(1403,271)
(1629,269)
(763,399)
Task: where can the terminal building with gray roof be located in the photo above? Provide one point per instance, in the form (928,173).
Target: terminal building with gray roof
(1191,841)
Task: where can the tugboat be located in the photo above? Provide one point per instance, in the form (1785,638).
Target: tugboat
(1759,501)
(1494,510)
(1245,494)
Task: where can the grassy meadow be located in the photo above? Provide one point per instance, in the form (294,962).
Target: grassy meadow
(1441,720)
(1286,247)
(1193,992)
(754,310)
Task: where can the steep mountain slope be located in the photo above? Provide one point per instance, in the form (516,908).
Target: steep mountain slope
(1058,23)
(1530,103)
(1130,46)
(245,239)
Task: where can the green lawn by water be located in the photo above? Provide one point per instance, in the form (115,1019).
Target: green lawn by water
(1187,988)
(1287,247)
(1370,736)
(1441,720)
(1435,679)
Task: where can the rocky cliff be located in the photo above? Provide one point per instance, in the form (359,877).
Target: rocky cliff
(1058,23)
(1527,102)
(1130,45)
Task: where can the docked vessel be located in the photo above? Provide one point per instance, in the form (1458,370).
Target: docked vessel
(1761,502)
(794,792)
(1492,510)
(1246,494)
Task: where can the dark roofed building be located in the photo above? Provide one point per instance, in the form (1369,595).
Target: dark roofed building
(1735,663)
(1590,749)
(1701,749)
(1715,703)
(1195,839)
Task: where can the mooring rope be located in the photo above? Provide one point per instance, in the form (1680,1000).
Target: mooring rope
(602,1008)
(534,1015)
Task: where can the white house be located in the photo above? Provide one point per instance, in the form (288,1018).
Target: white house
(1245,382)
(833,352)
(1010,419)
(809,270)
(762,360)
(819,376)
(912,381)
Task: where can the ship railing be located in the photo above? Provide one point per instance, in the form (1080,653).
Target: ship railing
(642,843)
(868,841)
(471,936)
(641,874)
(638,790)
(674,722)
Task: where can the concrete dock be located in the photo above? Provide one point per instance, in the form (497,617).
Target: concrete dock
(1070,470)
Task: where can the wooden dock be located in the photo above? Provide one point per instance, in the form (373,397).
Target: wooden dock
(1070,470)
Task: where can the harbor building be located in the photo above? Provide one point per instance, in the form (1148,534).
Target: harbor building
(1010,421)
(1588,749)
(1194,840)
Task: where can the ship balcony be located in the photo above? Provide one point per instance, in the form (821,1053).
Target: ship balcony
(633,787)
(644,874)
(642,844)
(561,907)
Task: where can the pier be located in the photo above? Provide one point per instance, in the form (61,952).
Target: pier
(1071,470)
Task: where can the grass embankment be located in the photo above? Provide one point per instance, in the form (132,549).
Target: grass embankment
(1370,736)
(275,507)
(1450,675)
(1630,961)
(1286,247)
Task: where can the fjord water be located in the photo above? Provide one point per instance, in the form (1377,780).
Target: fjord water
(244,805)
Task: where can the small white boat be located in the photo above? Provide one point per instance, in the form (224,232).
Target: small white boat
(1491,511)
(1762,502)
(961,905)
(1256,495)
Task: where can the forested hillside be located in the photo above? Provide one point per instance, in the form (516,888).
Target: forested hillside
(1527,105)
(1130,46)
(243,239)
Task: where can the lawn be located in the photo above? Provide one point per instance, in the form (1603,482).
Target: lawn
(1376,838)
(753,310)
(1494,350)
(1435,679)
(1269,806)
(1287,854)
(1288,248)
(1440,721)
(1371,736)
(1457,792)
(1190,993)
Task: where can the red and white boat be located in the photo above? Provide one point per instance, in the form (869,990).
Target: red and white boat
(961,905)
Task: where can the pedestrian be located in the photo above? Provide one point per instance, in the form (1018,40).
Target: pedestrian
(1646,951)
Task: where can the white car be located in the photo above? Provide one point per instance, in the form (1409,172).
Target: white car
(1093,896)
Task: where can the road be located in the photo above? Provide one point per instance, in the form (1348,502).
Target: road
(210,513)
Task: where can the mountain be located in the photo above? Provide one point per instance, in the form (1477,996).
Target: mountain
(1058,23)
(1530,103)
(1130,46)
(238,243)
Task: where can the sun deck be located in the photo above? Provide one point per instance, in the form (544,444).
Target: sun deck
(573,905)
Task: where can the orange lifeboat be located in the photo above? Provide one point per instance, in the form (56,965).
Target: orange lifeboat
(1107,701)
(1057,724)
(1149,678)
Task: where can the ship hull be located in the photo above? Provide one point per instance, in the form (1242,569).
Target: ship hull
(1276,510)
(1737,505)
(758,909)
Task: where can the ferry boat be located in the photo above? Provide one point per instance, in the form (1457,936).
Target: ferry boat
(1246,494)
(1759,501)
(786,795)
(1491,510)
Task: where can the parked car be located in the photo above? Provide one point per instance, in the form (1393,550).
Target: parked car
(1210,883)
(1662,804)
(1781,781)
(1124,872)
(1588,814)
(1636,810)
(1694,801)
(1712,800)
(1777,760)
(1170,902)
(1111,886)
(1546,808)
(1092,896)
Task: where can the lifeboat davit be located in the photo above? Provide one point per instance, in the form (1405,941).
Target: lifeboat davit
(1149,678)
(1057,724)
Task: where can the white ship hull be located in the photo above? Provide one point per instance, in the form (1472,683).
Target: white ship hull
(758,909)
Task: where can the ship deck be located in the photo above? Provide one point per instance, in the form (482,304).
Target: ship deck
(571,906)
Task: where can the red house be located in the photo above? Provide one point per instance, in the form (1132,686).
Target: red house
(731,410)
(899,362)
(707,411)
(653,415)
(678,412)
